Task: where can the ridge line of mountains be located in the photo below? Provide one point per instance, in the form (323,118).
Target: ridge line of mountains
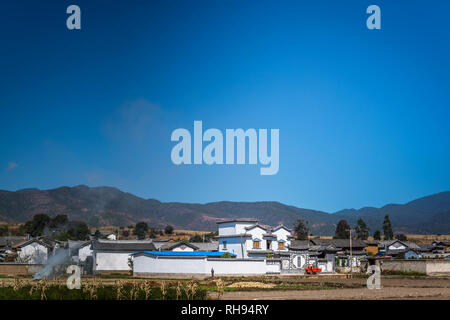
(106,206)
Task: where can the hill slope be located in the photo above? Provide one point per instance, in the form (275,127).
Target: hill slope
(110,206)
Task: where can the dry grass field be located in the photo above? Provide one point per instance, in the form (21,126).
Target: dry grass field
(331,287)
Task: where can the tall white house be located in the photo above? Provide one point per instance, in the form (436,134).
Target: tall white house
(248,239)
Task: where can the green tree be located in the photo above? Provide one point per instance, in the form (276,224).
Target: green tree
(362,231)
(401,237)
(59,221)
(78,230)
(37,226)
(196,238)
(301,230)
(387,228)
(342,230)
(225,255)
(97,234)
(3,231)
(401,255)
(168,230)
(140,230)
(377,235)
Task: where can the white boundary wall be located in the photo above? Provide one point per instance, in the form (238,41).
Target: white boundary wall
(111,261)
(427,266)
(145,264)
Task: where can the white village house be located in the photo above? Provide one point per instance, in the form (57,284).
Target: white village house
(254,249)
(34,251)
(251,246)
(114,255)
(248,239)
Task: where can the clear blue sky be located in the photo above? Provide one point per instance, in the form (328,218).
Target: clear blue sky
(363,115)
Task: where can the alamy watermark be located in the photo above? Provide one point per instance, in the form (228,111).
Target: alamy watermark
(374,281)
(235,140)
(74,280)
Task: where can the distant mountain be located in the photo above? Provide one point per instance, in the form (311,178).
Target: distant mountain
(100,206)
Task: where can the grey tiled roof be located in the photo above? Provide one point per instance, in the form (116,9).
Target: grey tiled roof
(269,235)
(173,245)
(409,244)
(123,245)
(281,226)
(255,226)
(206,246)
(40,241)
(10,241)
(340,243)
(77,244)
(300,244)
(238,220)
(234,235)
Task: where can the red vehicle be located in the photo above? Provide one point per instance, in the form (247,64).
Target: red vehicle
(310,269)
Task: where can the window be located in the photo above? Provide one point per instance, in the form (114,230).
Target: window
(269,244)
(256,244)
(280,245)
(224,245)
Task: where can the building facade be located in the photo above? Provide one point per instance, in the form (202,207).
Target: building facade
(246,238)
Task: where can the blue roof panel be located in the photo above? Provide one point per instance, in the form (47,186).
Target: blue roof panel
(188,253)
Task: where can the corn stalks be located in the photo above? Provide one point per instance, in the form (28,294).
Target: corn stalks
(134,290)
(193,289)
(190,290)
(18,284)
(40,286)
(119,287)
(178,290)
(163,289)
(220,288)
(146,288)
(91,287)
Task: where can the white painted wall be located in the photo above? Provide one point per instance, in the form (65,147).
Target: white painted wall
(111,261)
(237,244)
(299,260)
(273,267)
(153,264)
(33,253)
(143,264)
(84,252)
(226,228)
(183,248)
(396,246)
(240,226)
(283,234)
(233,266)
(326,266)
(233,246)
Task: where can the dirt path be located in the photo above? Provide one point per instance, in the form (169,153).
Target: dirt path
(342,294)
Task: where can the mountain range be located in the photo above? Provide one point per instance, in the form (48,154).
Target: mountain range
(101,206)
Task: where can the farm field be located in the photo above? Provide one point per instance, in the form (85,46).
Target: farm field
(239,288)
(392,288)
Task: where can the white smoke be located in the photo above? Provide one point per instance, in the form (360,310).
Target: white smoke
(60,258)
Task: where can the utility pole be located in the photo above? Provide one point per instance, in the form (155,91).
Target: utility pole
(351,256)
(307,238)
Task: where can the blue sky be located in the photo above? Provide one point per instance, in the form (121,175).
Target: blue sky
(363,114)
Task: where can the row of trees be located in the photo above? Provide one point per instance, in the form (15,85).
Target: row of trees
(141,229)
(343,230)
(58,228)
